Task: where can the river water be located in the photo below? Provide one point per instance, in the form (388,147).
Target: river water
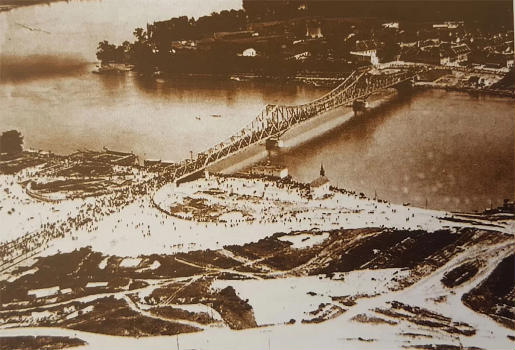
(448,150)
(451,149)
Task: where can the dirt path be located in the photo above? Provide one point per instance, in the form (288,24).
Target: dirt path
(139,310)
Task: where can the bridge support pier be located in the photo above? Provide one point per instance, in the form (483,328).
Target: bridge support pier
(405,86)
(273,146)
(359,106)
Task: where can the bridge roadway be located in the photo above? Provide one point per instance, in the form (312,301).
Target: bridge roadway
(274,120)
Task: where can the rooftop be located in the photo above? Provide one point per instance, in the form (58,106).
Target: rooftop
(318,182)
(365,45)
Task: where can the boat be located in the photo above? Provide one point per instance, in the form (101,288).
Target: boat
(197,117)
(216,115)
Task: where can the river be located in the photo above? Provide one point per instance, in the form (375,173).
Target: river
(446,150)
(49,93)
(450,149)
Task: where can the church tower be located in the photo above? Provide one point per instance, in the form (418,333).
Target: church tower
(320,187)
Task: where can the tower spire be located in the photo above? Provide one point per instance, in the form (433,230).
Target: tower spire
(322,170)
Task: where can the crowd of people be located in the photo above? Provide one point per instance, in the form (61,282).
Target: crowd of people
(87,214)
(243,199)
(225,201)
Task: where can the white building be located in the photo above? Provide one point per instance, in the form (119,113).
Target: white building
(366,51)
(313,30)
(270,170)
(320,186)
(392,25)
(370,57)
(449,25)
(301,56)
(454,55)
(250,52)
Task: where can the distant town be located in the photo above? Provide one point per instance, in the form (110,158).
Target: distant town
(286,39)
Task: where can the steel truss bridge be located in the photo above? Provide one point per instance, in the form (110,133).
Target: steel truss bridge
(274,120)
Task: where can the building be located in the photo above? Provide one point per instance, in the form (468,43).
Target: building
(300,56)
(314,30)
(453,54)
(320,186)
(366,51)
(449,25)
(250,52)
(270,170)
(434,52)
(390,25)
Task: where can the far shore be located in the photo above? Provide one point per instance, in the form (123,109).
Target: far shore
(7,5)
(316,79)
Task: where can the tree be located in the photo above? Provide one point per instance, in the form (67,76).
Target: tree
(11,142)
(388,52)
(106,52)
(140,34)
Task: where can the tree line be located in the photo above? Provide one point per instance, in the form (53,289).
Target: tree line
(157,38)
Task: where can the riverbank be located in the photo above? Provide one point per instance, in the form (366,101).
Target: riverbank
(315,79)
(472,91)
(459,79)
(8,5)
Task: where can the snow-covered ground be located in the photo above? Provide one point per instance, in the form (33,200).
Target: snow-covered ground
(21,214)
(304,240)
(141,229)
(279,300)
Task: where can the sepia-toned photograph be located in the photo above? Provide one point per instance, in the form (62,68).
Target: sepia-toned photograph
(257,174)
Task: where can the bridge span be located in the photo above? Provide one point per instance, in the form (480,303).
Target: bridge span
(274,120)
